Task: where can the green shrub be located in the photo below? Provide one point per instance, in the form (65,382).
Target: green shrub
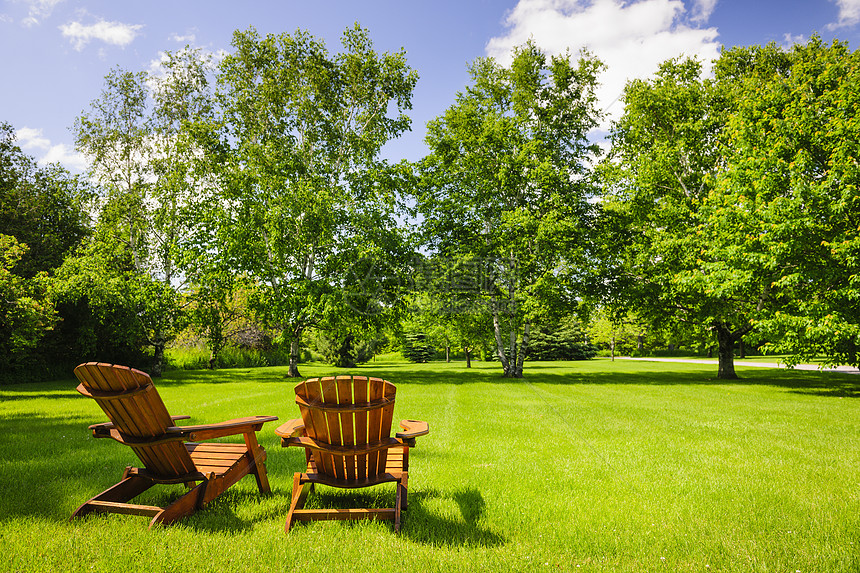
(197,358)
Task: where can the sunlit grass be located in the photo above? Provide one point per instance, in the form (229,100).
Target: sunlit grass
(582,466)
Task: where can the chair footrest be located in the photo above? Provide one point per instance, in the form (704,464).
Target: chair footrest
(127,508)
(314,514)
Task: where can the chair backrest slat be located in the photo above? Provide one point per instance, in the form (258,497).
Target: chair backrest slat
(325,406)
(346,421)
(141,414)
(329,391)
(315,421)
(385,423)
(374,392)
(360,435)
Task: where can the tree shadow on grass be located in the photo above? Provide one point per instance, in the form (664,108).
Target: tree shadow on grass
(46,462)
(614,373)
(577,372)
(262,375)
(826,384)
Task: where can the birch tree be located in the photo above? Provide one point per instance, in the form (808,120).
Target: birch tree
(296,145)
(507,183)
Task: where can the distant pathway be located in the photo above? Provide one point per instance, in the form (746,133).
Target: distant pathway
(840,369)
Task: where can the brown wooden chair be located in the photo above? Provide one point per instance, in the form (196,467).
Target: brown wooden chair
(171,454)
(345,430)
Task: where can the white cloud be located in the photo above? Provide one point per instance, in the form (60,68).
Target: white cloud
(849,14)
(702,10)
(115,33)
(29,138)
(189,38)
(33,139)
(67,157)
(39,10)
(631,37)
(788,40)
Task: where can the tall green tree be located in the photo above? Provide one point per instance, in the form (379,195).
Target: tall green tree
(142,155)
(507,183)
(44,208)
(181,98)
(111,312)
(737,198)
(788,206)
(668,151)
(448,302)
(26,312)
(42,219)
(113,137)
(296,146)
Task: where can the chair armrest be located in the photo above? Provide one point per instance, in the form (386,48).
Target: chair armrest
(291,429)
(107,430)
(413,429)
(103,430)
(228,428)
(361,449)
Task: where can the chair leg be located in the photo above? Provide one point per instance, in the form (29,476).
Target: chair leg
(258,455)
(300,495)
(182,507)
(398,504)
(124,491)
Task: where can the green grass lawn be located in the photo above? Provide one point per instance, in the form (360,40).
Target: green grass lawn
(582,466)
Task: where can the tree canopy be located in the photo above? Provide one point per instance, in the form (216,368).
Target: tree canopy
(252,194)
(735,196)
(506,186)
(788,202)
(295,148)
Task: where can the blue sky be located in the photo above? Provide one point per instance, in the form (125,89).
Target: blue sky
(57,52)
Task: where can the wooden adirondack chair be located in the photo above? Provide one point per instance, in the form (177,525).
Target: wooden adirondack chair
(345,430)
(170,454)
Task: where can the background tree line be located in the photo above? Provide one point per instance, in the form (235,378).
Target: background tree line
(248,200)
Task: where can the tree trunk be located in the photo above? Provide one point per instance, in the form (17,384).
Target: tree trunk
(158,358)
(612,348)
(725,353)
(524,347)
(214,351)
(448,353)
(294,358)
(468,358)
(500,346)
(742,352)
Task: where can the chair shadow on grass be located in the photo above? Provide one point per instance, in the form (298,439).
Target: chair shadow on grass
(219,516)
(433,516)
(51,464)
(423,521)
(424,525)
